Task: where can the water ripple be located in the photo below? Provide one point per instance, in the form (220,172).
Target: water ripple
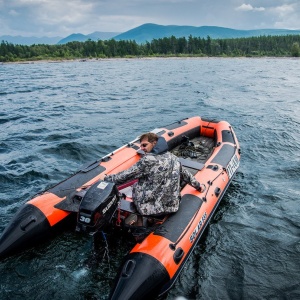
(56,117)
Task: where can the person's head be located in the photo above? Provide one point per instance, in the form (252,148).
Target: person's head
(148,141)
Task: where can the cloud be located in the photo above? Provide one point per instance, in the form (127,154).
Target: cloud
(249,7)
(286,16)
(282,14)
(46,17)
(64,17)
(14,13)
(285,9)
(57,11)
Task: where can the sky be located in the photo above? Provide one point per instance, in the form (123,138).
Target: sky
(63,17)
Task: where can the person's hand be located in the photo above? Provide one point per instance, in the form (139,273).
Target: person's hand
(201,188)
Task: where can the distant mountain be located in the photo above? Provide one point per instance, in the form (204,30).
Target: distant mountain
(21,40)
(78,37)
(148,32)
(95,36)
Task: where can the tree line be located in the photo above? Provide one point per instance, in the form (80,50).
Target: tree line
(278,46)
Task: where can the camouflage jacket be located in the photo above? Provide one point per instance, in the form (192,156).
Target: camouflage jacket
(158,188)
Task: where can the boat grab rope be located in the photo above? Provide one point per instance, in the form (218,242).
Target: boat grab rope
(118,222)
(210,183)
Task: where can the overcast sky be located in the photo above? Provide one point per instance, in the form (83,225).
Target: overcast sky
(64,17)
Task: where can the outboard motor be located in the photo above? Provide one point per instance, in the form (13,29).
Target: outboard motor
(97,207)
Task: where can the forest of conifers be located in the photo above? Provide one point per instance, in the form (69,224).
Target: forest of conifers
(277,46)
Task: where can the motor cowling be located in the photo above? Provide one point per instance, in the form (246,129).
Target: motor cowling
(97,207)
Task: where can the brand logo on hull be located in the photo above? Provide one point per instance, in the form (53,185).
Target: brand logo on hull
(232,166)
(198,227)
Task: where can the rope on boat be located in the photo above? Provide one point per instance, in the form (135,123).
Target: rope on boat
(101,250)
(173,245)
(106,250)
(118,222)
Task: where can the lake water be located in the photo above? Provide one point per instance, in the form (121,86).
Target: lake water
(54,117)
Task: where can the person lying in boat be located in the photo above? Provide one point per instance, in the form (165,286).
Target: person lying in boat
(159,172)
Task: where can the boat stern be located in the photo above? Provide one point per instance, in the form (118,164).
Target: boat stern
(141,277)
(28,224)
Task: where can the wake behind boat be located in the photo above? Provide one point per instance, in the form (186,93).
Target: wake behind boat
(209,149)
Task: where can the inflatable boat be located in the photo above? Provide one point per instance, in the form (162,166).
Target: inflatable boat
(209,149)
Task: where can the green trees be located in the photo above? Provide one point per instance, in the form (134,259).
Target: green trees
(168,46)
(295,51)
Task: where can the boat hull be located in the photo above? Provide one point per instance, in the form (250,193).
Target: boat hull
(141,277)
(152,266)
(28,225)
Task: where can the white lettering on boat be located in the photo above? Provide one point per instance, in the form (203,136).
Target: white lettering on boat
(109,205)
(198,227)
(84,219)
(232,166)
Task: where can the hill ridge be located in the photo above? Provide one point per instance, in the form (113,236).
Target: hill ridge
(149,31)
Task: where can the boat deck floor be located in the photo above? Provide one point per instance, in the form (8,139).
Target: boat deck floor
(198,150)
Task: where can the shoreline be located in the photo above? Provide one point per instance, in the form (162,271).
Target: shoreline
(26,62)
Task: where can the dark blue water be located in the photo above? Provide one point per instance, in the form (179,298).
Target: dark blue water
(54,117)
